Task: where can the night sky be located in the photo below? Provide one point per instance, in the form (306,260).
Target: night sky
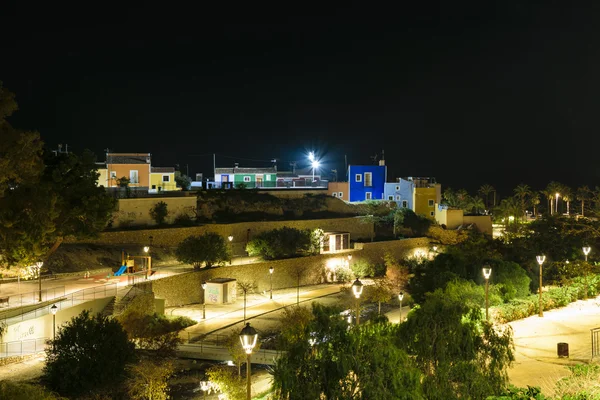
(469,93)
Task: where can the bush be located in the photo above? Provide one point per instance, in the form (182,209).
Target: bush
(280,243)
(159,212)
(209,248)
(24,391)
(553,298)
(511,279)
(184,220)
(362,268)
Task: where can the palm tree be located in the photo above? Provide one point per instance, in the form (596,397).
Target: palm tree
(551,190)
(583,195)
(463,199)
(548,194)
(477,204)
(522,191)
(567,196)
(485,191)
(534,200)
(508,208)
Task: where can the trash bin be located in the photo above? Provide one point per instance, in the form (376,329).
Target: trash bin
(562,349)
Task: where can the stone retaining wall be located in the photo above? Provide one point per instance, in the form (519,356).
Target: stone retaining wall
(241,232)
(186,288)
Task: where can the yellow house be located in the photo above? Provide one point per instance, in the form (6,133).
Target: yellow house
(162,179)
(425,196)
(103,177)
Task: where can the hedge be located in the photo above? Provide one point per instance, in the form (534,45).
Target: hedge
(554,297)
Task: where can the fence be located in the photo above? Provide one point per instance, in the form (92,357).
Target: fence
(23,347)
(96,292)
(595,342)
(23,299)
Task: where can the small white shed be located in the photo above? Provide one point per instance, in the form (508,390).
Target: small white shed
(221,291)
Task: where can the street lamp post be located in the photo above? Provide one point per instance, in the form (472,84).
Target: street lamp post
(53,310)
(271,269)
(357,288)
(230,238)
(39,265)
(248,337)
(203,300)
(540,260)
(487,271)
(586,251)
(556,205)
(400,298)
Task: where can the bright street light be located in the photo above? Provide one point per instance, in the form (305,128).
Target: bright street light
(248,338)
(400,298)
(203,300)
(357,288)
(487,271)
(540,260)
(53,310)
(271,270)
(556,205)
(230,237)
(586,251)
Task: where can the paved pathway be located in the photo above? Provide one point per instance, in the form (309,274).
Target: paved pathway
(537,362)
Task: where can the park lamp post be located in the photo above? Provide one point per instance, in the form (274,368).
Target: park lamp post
(487,271)
(400,298)
(39,265)
(540,260)
(204,386)
(586,251)
(230,238)
(271,270)
(357,288)
(53,310)
(203,300)
(248,338)
(556,205)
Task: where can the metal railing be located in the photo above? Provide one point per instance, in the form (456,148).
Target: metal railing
(595,342)
(96,292)
(23,299)
(23,347)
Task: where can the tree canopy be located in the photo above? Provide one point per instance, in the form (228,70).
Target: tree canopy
(89,353)
(209,248)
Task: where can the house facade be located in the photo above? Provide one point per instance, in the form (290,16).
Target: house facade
(426,194)
(400,192)
(162,179)
(251,177)
(339,190)
(134,166)
(366,182)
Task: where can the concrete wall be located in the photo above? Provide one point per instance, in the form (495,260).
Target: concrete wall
(449,217)
(483,223)
(186,288)
(136,211)
(41,327)
(171,237)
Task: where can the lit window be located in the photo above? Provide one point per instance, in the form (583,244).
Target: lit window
(246,179)
(358,178)
(267,177)
(368,196)
(166,178)
(341,194)
(391,198)
(133,176)
(431,203)
(368,179)
(113,174)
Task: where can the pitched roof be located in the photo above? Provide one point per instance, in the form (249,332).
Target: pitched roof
(163,170)
(128,158)
(238,170)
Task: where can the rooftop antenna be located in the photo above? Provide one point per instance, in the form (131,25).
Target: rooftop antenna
(334,172)
(274,161)
(293,165)
(374,158)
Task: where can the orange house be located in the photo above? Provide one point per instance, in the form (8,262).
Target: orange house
(134,166)
(339,190)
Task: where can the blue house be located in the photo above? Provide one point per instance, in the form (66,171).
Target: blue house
(366,182)
(400,192)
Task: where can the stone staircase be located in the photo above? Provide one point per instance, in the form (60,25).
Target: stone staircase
(110,308)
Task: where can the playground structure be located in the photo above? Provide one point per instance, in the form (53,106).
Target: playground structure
(129,265)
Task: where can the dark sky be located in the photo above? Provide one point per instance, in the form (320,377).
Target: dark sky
(470,93)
